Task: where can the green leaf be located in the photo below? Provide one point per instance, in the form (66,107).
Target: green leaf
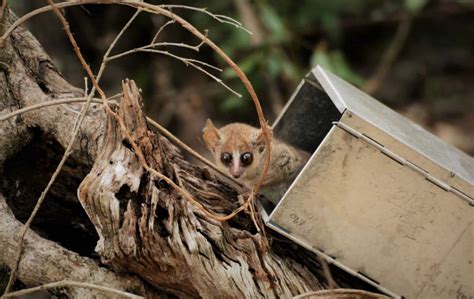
(232,104)
(330,23)
(234,40)
(291,71)
(274,65)
(247,65)
(415,5)
(342,68)
(250,63)
(274,23)
(334,61)
(320,56)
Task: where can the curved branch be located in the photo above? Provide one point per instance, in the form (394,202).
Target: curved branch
(147,228)
(73,284)
(46,261)
(160,10)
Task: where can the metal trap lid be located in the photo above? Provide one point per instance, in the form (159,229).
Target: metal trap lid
(322,99)
(451,162)
(352,206)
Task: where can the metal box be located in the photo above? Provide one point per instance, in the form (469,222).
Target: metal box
(380,197)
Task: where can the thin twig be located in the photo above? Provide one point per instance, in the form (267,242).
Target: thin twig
(390,55)
(186,61)
(74,284)
(220,18)
(126,133)
(67,152)
(52,103)
(159,10)
(3,8)
(252,211)
(340,293)
(86,91)
(192,152)
(105,59)
(159,127)
(155,38)
(185,24)
(183,45)
(180,45)
(149,47)
(162,27)
(192,62)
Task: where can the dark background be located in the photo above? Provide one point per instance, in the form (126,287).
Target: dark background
(431,80)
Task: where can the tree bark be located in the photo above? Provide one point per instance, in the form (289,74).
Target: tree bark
(145,227)
(45,261)
(27,77)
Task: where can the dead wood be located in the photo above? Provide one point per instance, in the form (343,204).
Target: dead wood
(28,76)
(147,228)
(144,226)
(46,261)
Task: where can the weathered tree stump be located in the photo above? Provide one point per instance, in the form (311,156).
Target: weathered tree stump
(146,227)
(27,77)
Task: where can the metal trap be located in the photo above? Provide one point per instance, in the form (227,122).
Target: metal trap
(381,198)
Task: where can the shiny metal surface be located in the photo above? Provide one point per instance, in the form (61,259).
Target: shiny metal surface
(378,197)
(347,97)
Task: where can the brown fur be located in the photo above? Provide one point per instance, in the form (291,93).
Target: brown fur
(285,161)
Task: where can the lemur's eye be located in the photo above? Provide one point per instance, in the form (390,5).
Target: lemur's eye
(246,159)
(226,158)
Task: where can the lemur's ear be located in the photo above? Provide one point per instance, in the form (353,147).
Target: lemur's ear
(259,140)
(211,136)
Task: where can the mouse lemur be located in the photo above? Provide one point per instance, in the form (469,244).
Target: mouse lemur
(239,149)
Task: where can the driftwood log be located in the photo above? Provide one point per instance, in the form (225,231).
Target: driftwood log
(150,238)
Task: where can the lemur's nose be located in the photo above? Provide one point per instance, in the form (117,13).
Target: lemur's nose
(236,175)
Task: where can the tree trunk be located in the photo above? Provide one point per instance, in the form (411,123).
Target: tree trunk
(27,77)
(145,227)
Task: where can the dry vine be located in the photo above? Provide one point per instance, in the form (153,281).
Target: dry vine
(156,125)
(174,18)
(126,133)
(74,284)
(3,7)
(157,9)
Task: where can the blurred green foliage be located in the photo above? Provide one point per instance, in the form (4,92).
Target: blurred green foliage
(415,5)
(348,37)
(289,48)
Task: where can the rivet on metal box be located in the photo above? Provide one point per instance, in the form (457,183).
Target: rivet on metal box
(381,198)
